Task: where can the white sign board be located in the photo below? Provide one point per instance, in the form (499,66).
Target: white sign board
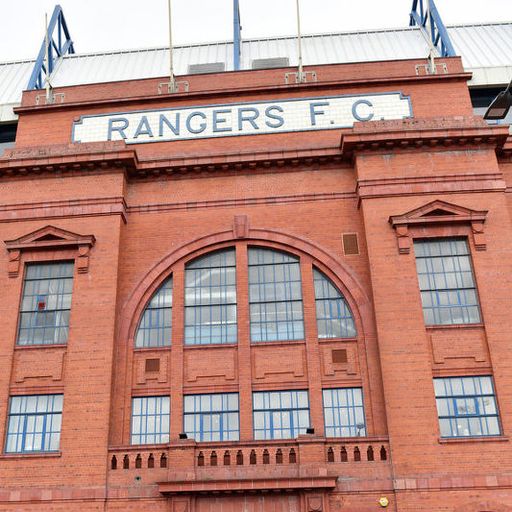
(229,120)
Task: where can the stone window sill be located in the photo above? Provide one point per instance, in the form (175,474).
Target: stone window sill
(475,439)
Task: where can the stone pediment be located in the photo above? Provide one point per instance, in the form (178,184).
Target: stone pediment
(50,237)
(435,213)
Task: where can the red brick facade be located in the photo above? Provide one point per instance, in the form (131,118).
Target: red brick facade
(131,215)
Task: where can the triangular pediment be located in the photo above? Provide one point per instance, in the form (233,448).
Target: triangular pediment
(438,211)
(50,236)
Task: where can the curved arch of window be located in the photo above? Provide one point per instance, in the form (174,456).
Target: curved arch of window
(156,323)
(276,310)
(333,316)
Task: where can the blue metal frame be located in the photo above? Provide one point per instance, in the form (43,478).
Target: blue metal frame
(212,417)
(447,284)
(156,409)
(428,16)
(466,406)
(237,35)
(280,414)
(59,43)
(34,423)
(344,412)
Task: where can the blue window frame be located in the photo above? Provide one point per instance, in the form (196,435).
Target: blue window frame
(280,414)
(212,417)
(333,316)
(447,285)
(210,299)
(275,296)
(155,325)
(466,407)
(46,304)
(34,424)
(344,412)
(150,420)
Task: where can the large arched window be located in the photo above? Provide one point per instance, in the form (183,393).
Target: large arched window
(275,308)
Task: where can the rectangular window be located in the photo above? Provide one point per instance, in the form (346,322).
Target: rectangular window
(150,420)
(212,417)
(447,285)
(46,303)
(466,407)
(280,414)
(344,412)
(34,424)
(275,296)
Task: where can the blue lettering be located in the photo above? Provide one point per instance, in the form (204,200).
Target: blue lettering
(165,121)
(313,112)
(275,117)
(252,115)
(202,126)
(357,115)
(143,128)
(219,120)
(111,128)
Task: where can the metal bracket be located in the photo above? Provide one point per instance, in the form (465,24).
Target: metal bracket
(173,87)
(297,77)
(51,100)
(432,68)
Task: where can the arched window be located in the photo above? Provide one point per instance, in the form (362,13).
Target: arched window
(275,296)
(155,326)
(333,316)
(210,299)
(275,306)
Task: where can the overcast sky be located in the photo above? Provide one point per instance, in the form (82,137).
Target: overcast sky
(102,25)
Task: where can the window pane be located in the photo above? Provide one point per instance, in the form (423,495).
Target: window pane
(445,277)
(211,417)
(155,325)
(334,318)
(344,412)
(34,423)
(210,299)
(466,406)
(280,414)
(45,304)
(275,296)
(150,420)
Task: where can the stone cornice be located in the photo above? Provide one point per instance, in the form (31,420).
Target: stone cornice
(67,157)
(422,133)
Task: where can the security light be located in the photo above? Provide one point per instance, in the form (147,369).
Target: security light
(499,107)
(310,430)
(183,435)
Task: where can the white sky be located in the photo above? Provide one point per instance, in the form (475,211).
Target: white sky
(102,25)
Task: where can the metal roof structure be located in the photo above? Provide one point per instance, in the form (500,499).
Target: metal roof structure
(486,51)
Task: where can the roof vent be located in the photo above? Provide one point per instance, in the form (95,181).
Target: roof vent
(276,62)
(210,67)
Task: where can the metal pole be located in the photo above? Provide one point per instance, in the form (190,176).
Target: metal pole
(236,35)
(47,45)
(172,81)
(299,44)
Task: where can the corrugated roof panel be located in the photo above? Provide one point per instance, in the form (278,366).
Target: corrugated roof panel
(486,49)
